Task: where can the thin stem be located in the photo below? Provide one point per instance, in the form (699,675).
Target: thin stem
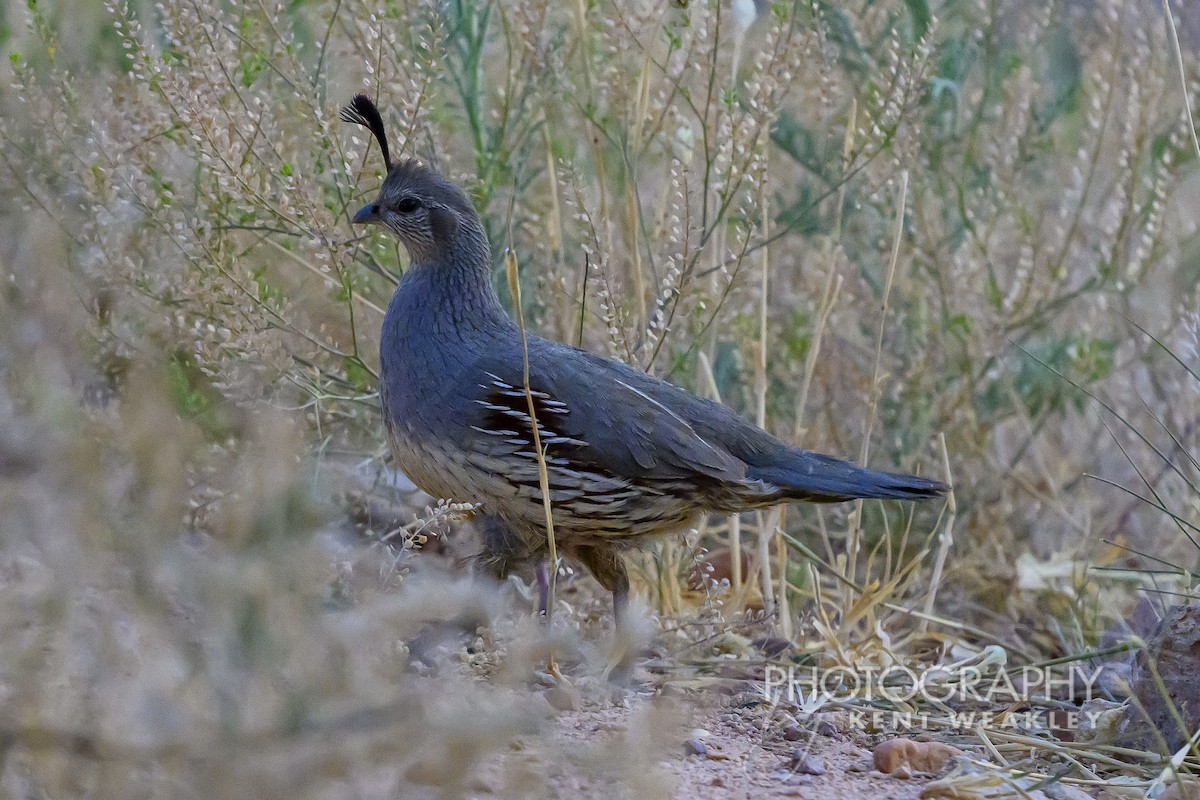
(514,288)
(856,532)
(1187,101)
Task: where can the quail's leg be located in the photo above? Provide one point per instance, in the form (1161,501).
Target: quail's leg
(620,594)
(608,569)
(503,549)
(606,566)
(501,546)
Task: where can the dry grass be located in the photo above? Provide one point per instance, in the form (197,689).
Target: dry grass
(912,232)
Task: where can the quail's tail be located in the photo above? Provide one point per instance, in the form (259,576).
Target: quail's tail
(817,478)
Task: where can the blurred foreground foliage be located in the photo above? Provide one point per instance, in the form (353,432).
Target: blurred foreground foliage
(189,328)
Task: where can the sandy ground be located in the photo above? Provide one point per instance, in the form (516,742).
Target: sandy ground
(685,747)
(691,736)
(737,762)
(678,741)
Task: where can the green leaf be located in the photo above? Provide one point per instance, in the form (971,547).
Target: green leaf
(357,374)
(252,66)
(841,33)
(1080,358)
(1065,72)
(919,11)
(791,136)
(183,380)
(959,326)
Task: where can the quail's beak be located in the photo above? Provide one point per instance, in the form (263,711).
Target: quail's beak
(367,215)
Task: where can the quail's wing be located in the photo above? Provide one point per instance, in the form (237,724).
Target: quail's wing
(623,428)
(598,416)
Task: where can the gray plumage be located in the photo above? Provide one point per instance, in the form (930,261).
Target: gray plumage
(628,455)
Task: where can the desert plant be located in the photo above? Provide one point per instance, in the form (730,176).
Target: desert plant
(862,225)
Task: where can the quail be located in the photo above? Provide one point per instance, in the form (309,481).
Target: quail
(628,455)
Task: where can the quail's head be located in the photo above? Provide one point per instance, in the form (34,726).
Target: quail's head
(428,213)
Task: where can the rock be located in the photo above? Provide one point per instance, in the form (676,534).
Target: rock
(1183,790)
(1174,653)
(895,755)
(746,700)
(562,698)
(694,747)
(827,728)
(793,733)
(1098,721)
(806,764)
(1114,680)
(543,678)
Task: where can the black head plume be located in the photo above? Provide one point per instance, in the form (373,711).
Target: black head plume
(361,111)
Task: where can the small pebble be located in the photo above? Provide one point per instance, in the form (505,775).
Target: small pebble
(747,700)
(793,733)
(827,728)
(1187,790)
(807,764)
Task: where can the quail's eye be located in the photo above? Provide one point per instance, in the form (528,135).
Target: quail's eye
(408,205)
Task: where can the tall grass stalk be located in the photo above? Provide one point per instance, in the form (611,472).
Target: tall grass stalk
(514,286)
(876,389)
